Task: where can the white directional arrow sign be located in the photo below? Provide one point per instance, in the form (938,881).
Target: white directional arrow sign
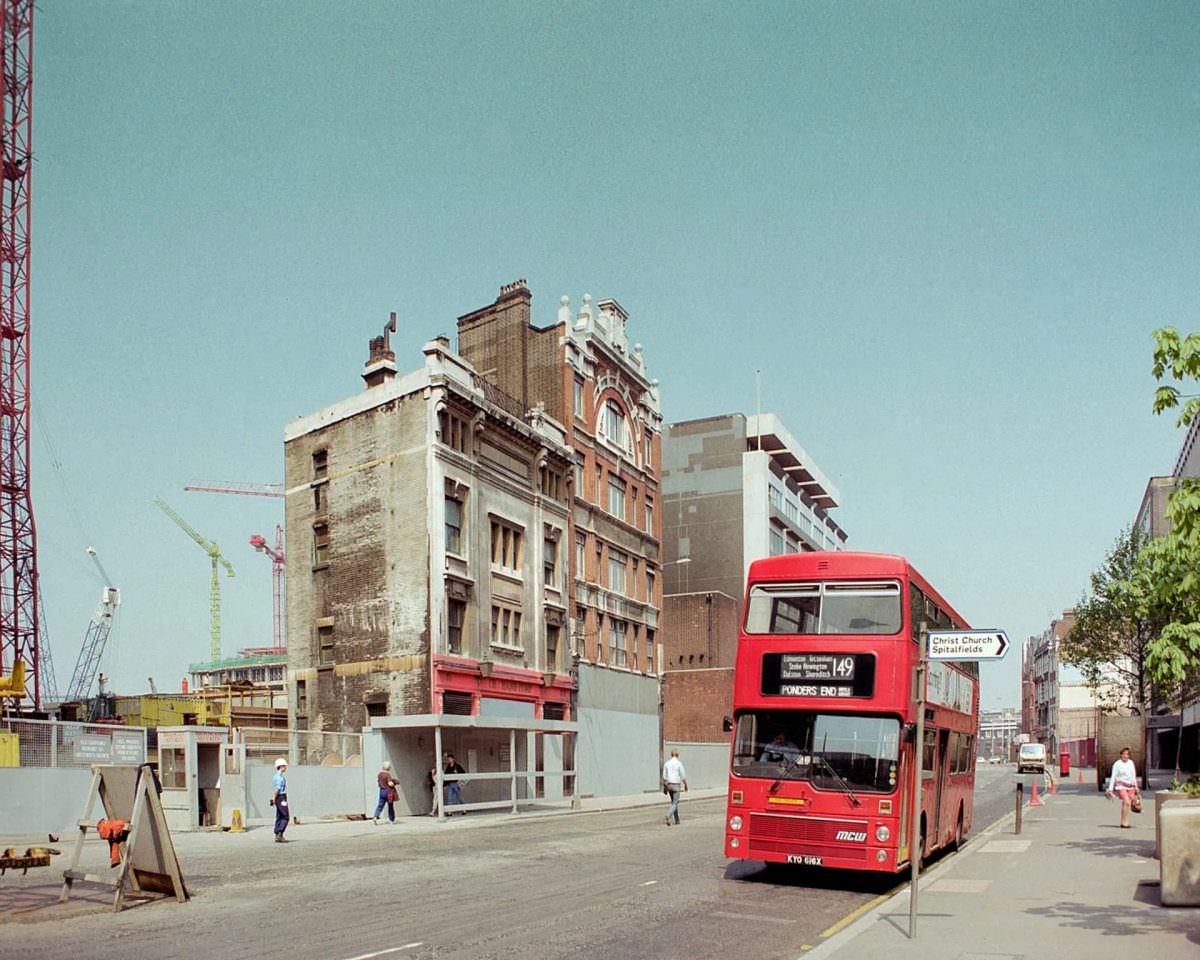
(967,644)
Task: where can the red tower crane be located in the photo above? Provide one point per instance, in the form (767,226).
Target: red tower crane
(19,634)
(258,542)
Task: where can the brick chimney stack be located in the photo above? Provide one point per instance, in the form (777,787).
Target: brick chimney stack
(381,363)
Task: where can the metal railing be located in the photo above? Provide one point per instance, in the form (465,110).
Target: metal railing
(313,748)
(60,743)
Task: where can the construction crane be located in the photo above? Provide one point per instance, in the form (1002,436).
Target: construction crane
(96,636)
(214,553)
(242,489)
(259,543)
(20,644)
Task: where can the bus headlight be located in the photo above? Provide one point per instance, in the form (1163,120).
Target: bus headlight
(882,833)
(735,823)
(734,843)
(880,855)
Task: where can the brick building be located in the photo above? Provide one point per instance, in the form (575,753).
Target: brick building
(427,519)
(700,630)
(582,371)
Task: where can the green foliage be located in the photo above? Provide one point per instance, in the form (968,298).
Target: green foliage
(1112,632)
(1191,787)
(1165,585)
(1179,358)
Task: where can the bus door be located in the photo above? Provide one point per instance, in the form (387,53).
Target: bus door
(940,775)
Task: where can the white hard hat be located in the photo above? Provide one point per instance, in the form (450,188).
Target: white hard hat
(280,763)
(387,764)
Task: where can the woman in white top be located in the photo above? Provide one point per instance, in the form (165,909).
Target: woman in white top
(1123,782)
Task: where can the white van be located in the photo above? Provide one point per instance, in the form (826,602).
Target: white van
(1031,758)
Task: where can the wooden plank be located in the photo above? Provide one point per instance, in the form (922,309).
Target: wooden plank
(93,792)
(91,877)
(169,858)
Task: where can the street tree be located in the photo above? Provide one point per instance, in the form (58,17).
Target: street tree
(1110,639)
(1166,582)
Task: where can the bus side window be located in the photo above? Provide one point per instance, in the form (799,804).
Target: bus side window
(916,610)
(929,751)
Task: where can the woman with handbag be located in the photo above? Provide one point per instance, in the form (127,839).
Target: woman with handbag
(1123,782)
(387,793)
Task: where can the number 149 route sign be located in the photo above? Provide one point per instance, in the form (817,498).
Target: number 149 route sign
(967,644)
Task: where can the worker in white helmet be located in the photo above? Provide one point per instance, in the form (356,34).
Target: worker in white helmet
(279,799)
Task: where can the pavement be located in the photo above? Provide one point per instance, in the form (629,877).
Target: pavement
(1071,886)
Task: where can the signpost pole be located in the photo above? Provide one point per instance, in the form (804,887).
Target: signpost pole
(914,831)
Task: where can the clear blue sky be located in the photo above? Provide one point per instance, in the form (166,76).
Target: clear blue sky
(943,232)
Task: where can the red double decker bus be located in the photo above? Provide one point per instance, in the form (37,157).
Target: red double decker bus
(822,761)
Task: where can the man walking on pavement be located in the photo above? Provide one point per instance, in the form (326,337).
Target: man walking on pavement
(674,780)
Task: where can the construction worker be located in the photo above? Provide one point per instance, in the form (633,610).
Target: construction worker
(279,799)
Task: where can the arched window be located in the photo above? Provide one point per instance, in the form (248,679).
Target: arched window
(614,427)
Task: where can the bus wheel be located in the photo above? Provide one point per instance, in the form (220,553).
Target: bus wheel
(960,838)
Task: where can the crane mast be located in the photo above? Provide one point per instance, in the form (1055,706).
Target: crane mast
(19,634)
(276,556)
(96,637)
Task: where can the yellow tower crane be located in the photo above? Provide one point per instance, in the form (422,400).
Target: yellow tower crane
(214,553)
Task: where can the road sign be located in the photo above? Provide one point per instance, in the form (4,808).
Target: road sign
(967,644)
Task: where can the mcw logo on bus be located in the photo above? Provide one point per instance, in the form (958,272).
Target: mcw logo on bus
(855,836)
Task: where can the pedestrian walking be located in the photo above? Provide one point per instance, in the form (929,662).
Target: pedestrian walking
(1123,782)
(387,793)
(432,779)
(279,800)
(452,768)
(674,782)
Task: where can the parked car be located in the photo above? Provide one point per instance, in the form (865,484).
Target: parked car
(1031,758)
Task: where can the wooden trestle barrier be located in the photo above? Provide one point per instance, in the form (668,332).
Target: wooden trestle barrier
(148,865)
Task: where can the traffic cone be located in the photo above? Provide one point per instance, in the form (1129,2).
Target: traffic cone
(1034,799)
(1080,780)
(235,825)
(1053,786)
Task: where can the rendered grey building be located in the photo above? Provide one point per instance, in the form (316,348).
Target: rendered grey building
(736,488)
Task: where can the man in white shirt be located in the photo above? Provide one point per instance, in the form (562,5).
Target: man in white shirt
(674,780)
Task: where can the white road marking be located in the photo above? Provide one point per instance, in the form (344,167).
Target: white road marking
(382,953)
(649,883)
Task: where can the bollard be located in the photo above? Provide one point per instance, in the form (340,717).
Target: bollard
(1020,803)
(236,822)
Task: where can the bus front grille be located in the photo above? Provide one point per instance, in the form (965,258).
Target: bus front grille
(781,835)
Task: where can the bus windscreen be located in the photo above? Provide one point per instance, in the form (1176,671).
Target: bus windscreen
(843,608)
(830,750)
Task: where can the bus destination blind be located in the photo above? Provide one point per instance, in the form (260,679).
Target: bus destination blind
(818,674)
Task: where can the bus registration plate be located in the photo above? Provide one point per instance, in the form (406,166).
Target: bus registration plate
(805,860)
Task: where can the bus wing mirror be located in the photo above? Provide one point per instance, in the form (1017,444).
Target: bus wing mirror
(727,724)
